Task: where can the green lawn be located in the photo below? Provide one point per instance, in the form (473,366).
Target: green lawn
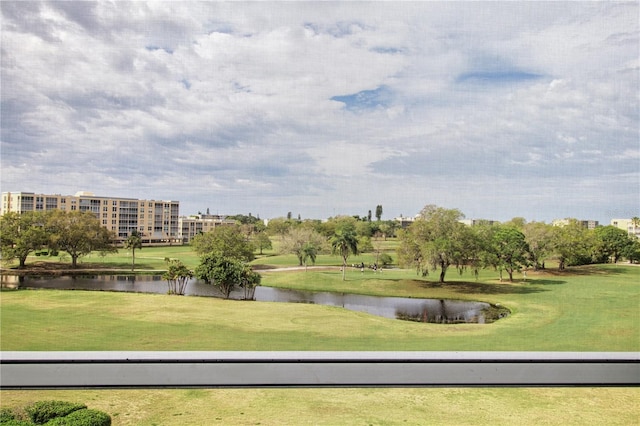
(585,309)
(367,406)
(589,309)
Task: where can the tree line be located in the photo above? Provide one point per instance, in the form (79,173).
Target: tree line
(438,240)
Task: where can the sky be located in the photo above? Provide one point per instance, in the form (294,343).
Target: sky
(500,110)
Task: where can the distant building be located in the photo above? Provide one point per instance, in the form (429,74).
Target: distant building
(476,222)
(628,225)
(196,224)
(588,224)
(406,221)
(156,221)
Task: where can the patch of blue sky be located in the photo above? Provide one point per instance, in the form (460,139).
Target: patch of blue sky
(186,83)
(153,48)
(218,27)
(497,77)
(366,99)
(387,50)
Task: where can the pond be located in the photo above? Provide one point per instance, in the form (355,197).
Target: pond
(412,309)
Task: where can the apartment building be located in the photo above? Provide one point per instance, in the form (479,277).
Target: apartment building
(155,220)
(630,225)
(588,224)
(202,223)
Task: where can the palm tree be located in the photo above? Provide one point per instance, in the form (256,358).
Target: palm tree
(344,243)
(133,242)
(309,251)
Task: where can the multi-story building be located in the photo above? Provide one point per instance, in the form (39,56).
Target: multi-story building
(156,221)
(196,224)
(588,224)
(632,226)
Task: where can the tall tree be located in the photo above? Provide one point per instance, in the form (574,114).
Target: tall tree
(78,233)
(133,242)
(539,236)
(301,239)
(379,212)
(610,243)
(20,234)
(344,243)
(572,244)
(227,241)
(262,241)
(440,238)
(510,249)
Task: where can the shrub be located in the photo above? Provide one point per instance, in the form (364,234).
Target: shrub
(8,418)
(83,417)
(42,411)
(385,259)
(6,415)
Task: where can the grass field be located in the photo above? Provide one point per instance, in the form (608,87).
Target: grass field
(591,308)
(588,309)
(368,406)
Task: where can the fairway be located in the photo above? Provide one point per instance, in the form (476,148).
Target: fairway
(592,308)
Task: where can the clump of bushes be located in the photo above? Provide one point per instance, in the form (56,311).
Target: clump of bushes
(42,411)
(55,413)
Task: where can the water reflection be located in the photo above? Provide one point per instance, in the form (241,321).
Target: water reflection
(423,310)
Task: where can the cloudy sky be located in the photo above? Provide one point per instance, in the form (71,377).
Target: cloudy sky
(324,108)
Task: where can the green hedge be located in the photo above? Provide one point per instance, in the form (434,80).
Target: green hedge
(84,417)
(42,411)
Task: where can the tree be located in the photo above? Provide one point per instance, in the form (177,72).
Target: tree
(436,238)
(572,244)
(225,273)
(510,250)
(20,234)
(133,242)
(227,241)
(539,236)
(177,276)
(344,243)
(301,242)
(378,212)
(610,243)
(78,233)
(262,241)
(279,226)
(309,251)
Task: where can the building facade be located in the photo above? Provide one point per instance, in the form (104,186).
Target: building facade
(588,224)
(632,226)
(156,221)
(196,224)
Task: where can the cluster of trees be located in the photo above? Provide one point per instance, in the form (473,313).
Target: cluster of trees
(77,233)
(224,256)
(438,240)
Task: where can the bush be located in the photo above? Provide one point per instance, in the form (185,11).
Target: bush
(43,411)
(84,417)
(385,259)
(8,418)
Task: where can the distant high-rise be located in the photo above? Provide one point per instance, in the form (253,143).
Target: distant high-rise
(155,220)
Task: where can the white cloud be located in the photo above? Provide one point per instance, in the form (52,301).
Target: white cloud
(231,104)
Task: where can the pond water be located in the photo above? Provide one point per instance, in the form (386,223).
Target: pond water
(413,309)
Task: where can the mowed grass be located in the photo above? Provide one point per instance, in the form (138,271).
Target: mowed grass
(587,309)
(365,406)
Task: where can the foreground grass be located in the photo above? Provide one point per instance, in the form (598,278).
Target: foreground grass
(435,406)
(591,309)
